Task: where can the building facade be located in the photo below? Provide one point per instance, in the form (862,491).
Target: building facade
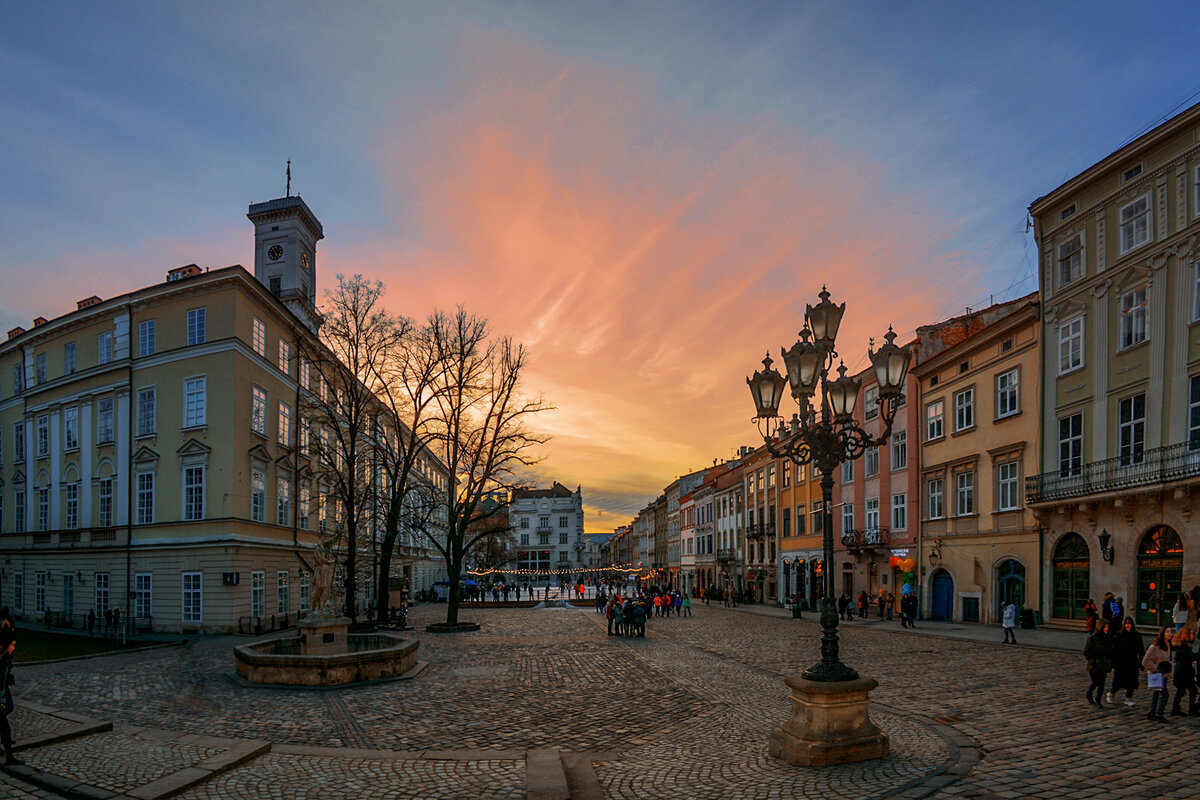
(548,524)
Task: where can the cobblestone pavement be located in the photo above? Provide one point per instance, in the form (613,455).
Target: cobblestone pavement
(684,712)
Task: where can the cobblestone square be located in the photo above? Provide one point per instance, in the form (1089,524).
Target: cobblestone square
(685,711)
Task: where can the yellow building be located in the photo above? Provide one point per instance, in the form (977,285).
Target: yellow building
(1119,249)
(800,533)
(152,453)
(979,431)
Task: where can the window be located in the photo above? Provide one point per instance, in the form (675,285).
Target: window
(285,356)
(104,421)
(964,493)
(543,538)
(933,421)
(899,449)
(195,326)
(848,472)
(1194,415)
(193,493)
(305,510)
(19,591)
(68,594)
(1070,445)
(563,556)
(801,521)
(1196,289)
(1132,173)
(19,511)
(964,409)
(1133,318)
(70,428)
(104,348)
(39,592)
(564,522)
(787,474)
(1007,394)
(1131,429)
(305,437)
(524,522)
(145,498)
(146,412)
(18,378)
(71,506)
(1070,260)
(101,585)
(258,410)
(544,522)
(43,436)
(524,538)
(1135,223)
(847,518)
(260,337)
(193,599)
(70,358)
(285,424)
(899,511)
(305,373)
(871,515)
(283,501)
(283,602)
(39,367)
(1070,346)
(195,402)
(871,402)
(18,442)
(258,594)
(305,591)
(818,517)
(43,508)
(1006,480)
(562,538)
(104,504)
(871,460)
(258,496)
(146,338)
(1067,212)
(143,595)
(935,494)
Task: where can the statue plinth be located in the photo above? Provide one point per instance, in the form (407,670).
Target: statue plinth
(323,634)
(829,724)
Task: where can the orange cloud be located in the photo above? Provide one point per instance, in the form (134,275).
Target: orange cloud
(647,252)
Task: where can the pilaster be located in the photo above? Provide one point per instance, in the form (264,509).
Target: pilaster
(122,435)
(1157,312)
(55,469)
(1102,347)
(85,464)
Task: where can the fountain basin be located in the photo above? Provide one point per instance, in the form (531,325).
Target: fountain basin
(325,655)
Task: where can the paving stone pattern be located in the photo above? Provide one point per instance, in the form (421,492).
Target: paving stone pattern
(684,712)
(31,723)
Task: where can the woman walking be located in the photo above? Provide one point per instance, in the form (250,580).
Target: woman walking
(1089,610)
(1157,664)
(1098,651)
(1128,652)
(1179,614)
(1185,674)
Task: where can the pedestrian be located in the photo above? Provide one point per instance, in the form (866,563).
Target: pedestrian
(891,604)
(864,603)
(1184,674)
(1110,612)
(1099,652)
(116,620)
(8,646)
(908,610)
(881,602)
(1179,614)
(91,621)
(1089,611)
(108,623)
(639,620)
(843,606)
(1128,652)
(1010,623)
(725,596)
(629,616)
(1193,609)
(685,607)
(1157,663)
(610,615)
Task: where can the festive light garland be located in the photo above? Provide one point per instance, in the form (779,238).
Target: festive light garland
(540,572)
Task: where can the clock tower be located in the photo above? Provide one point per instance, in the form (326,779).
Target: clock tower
(286,233)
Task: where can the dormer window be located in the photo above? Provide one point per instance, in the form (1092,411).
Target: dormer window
(1132,172)
(1067,212)
(1070,260)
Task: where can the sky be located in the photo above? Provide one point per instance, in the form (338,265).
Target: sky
(644,194)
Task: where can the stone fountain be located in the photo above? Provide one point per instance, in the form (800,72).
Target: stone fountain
(323,652)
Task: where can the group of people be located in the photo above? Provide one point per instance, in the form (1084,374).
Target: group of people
(627,615)
(884,602)
(8,646)
(1115,645)
(111,622)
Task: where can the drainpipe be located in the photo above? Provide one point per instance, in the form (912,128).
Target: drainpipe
(129,491)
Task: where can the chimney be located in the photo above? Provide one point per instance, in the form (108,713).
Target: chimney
(15,332)
(39,321)
(87,301)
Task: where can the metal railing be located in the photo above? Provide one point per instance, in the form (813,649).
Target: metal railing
(725,554)
(265,624)
(866,538)
(760,530)
(1160,465)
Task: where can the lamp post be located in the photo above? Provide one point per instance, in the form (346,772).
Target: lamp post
(827,437)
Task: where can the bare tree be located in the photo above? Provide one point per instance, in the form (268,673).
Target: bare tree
(479,432)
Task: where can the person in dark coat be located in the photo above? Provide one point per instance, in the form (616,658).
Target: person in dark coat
(628,617)
(1099,653)
(1128,652)
(8,645)
(1184,673)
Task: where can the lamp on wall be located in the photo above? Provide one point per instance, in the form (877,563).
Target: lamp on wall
(1105,539)
(79,577)
(935,553)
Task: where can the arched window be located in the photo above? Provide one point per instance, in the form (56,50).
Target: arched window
(1072,576)
(1160,575)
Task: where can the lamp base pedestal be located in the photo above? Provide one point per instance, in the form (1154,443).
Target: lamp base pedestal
(829,724)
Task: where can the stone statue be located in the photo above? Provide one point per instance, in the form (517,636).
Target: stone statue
(322,583)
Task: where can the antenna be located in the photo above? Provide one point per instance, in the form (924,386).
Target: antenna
(288,190)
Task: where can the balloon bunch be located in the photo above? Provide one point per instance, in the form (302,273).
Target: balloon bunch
(908,574)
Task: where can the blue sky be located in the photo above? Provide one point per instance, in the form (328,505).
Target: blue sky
(135,135)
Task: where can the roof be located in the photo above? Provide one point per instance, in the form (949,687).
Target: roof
(556,490)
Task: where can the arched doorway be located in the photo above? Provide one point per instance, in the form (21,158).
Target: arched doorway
(1160,575)
(1072,576)
(1010,584)
(941,604)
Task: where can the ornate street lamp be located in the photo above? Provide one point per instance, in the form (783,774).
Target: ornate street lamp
(827,438)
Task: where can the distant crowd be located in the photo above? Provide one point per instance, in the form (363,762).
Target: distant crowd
(627,615)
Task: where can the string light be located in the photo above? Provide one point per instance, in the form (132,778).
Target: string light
(541,572)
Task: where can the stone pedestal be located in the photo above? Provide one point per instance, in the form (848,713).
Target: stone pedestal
(829,724)
(324,636)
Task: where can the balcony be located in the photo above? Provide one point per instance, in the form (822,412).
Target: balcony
(760,530)
(867,538)
(545,529)
(725,554)
(1160,465)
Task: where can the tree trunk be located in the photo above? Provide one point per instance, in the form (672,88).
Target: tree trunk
(351,565)
(453,572)
(382,598)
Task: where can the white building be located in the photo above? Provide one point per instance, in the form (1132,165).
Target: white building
(548,524)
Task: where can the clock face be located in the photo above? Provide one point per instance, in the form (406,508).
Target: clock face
(275,253)
(304,260)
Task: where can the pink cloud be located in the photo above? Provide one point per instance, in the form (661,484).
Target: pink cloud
(648,253)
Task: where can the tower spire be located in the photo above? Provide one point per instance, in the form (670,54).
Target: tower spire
(288,190)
